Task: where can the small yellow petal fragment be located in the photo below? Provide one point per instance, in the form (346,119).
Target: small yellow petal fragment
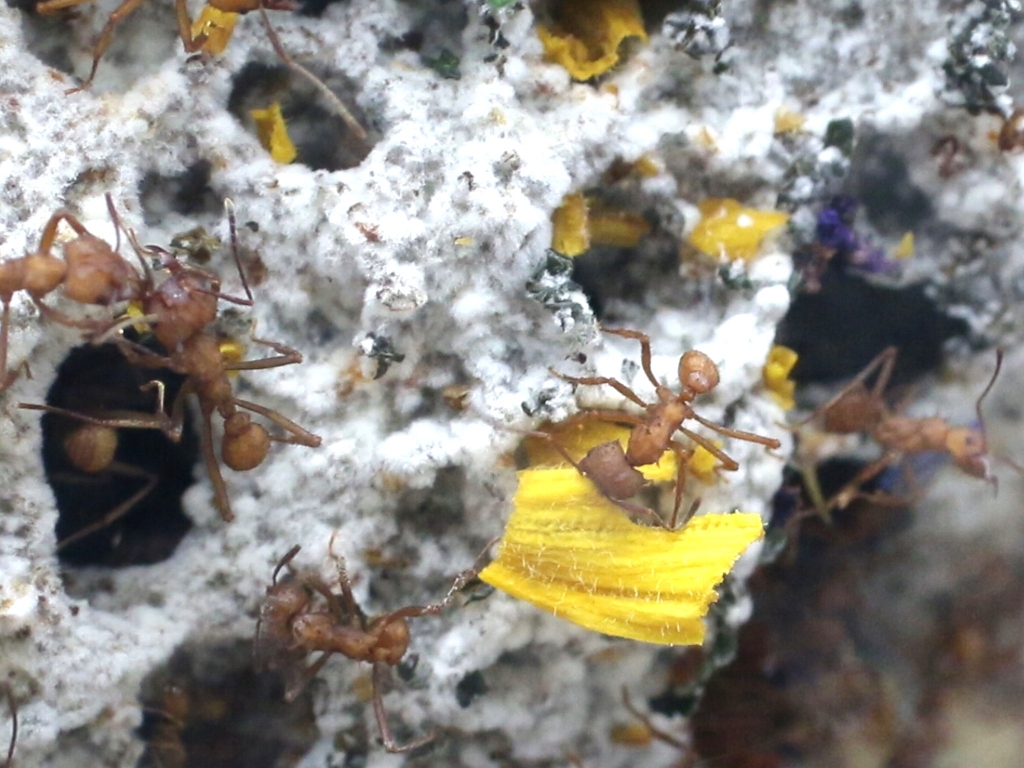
(216,26)
(619,228)
(273,133)
(702,464)
(568,550)
(787,121)
(775,375)
(631,734)
(727,229)
(905,247)
(587,38)
(570,233)
(647,168)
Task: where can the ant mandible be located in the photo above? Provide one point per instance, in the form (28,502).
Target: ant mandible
(855,408)
(292,624)
(180,312)
(91,272)
(614,470)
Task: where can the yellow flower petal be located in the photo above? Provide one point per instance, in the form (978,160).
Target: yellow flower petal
(568,550)
(273,133)
(618,228)
(216,26)
(570,234)
(775,375)
(727,229)
(587,38)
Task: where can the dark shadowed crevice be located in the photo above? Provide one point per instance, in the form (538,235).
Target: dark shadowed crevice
(321,138)
(208,707)
(99,381)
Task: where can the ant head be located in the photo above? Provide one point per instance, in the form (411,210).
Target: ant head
(392,642)
(697,372)
(969,450)
(245,444)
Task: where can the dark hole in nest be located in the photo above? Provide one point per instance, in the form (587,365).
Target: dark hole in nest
(95,380)
(841,328)
(209,708)
(188,193)
(322,139)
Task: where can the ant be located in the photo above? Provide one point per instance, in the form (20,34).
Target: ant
(180,312)
(12,705)
(855,408)
(91,272)
(614,470)
(292,625)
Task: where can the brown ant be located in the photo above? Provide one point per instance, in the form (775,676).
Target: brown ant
(91,272)
(12,705)
(613,470)
(293,624)
(180,312)
(855,408)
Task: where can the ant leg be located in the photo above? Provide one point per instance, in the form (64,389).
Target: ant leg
(275,42)
(190,43)
(988,388)
(645,350)
(297,436)
(682,463)
(229,208)
(121,509)
(114,418)
(728,463)
(12,705)
(390,744)
(123,11)
(851,490)
(344,584)
(295,686)
(286,356)
(659,734)
(750,437)
(220,490)
(6,377)
(597,381)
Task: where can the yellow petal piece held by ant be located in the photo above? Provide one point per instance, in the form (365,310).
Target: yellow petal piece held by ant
(273,133)
(216,27)
(569,550)
(586,38)
(727,229)
(570,235)
(775,375)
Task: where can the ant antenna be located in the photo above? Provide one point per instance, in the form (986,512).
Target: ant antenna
(229,209)
(991,383)
(13,706)
(347,117)
(117,221)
